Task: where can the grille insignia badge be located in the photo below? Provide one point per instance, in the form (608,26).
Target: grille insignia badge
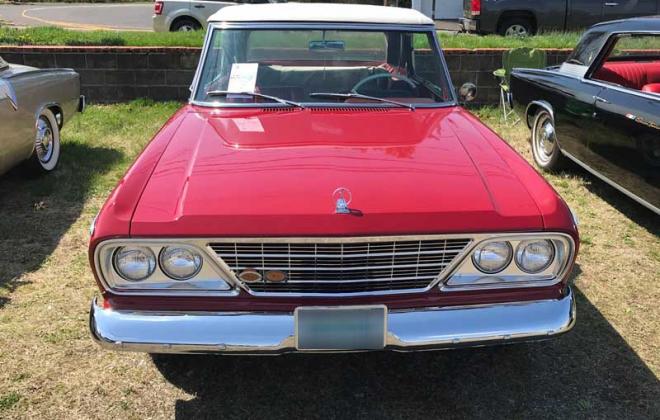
(343,198)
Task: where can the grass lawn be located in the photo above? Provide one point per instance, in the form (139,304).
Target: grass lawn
(58,36)
(607,367)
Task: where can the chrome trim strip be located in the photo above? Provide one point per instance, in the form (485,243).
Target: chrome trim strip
(274,333)
(622,89)
(605,179)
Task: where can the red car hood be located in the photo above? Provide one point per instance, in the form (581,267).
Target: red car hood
(268,173)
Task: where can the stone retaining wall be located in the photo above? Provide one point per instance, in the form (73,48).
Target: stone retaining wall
(114,74)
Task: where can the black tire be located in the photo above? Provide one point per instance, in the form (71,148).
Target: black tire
(516,26)
(185,25)
(545,148)
(46,154)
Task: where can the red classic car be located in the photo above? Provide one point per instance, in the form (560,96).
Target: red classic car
(324,191)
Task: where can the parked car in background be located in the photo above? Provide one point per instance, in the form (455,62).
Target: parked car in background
(191,15)
(324,191)
(524,17)
(601,108)
(34,106)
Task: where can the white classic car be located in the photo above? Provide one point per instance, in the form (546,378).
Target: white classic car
(34,105)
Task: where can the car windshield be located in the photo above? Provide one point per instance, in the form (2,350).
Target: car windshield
(391,68)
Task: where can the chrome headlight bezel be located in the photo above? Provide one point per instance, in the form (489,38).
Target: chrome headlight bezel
(210,279)
(466,276)
(519,255)
(505,262)
(198,261)
(146,251)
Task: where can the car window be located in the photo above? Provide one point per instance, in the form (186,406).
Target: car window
(296,64)
(639,47)
(633,62)
(588,48)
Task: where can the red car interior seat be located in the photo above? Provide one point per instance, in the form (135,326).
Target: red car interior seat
(651,87)
(633,75)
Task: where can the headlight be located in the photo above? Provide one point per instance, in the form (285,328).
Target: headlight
(492,257)
(134,263)
(161,267)
(534,256)
(180,263)
(539,260)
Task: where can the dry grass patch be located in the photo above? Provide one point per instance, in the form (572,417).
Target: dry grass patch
(607,367)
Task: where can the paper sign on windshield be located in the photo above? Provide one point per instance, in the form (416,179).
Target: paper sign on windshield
(243,77)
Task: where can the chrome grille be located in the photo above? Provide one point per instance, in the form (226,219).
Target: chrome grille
(342,266)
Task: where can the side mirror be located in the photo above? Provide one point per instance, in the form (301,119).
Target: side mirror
(467,92)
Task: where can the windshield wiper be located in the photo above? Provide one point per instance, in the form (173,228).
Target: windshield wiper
(359,96)
(257,95)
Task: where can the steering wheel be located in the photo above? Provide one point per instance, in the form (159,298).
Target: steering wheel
(368,79)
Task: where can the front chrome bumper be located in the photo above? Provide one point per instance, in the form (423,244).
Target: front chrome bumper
(273,333)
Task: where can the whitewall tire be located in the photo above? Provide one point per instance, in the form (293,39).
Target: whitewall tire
(46,154)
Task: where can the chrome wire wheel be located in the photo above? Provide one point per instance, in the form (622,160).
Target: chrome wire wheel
(45,142)
(544,141)
(46,153)
(516,30)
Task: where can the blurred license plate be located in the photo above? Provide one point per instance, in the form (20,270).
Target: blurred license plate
(341,328)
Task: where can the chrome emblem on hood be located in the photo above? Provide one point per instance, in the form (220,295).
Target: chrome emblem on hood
(343,198)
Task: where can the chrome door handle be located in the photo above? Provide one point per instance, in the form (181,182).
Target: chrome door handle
(602,100)
(611,4)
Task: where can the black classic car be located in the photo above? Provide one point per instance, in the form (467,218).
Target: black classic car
(600,108)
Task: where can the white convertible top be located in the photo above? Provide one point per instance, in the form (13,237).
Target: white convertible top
(320,12)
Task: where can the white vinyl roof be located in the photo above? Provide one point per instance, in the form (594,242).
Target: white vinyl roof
(320,12)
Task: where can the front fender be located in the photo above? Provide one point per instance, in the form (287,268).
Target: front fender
(533,107)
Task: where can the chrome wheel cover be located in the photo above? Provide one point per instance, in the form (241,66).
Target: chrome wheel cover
(516,30)
(545,139)
(186,28)
(45,141)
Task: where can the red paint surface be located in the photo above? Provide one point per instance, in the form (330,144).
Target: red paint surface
(256,172)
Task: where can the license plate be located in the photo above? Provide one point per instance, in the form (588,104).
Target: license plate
(341,328)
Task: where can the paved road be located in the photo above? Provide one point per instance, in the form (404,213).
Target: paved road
(135,16)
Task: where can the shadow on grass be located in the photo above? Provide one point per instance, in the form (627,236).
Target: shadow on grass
(590,372)
(626,205)
(36,212)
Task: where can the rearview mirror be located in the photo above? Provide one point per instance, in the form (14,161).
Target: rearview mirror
(467,92)
(327,45)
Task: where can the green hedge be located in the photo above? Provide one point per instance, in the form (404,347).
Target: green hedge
(58,36)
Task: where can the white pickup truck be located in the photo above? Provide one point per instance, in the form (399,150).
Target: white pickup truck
(190,15)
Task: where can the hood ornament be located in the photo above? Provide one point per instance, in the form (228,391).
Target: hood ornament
(343,198)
